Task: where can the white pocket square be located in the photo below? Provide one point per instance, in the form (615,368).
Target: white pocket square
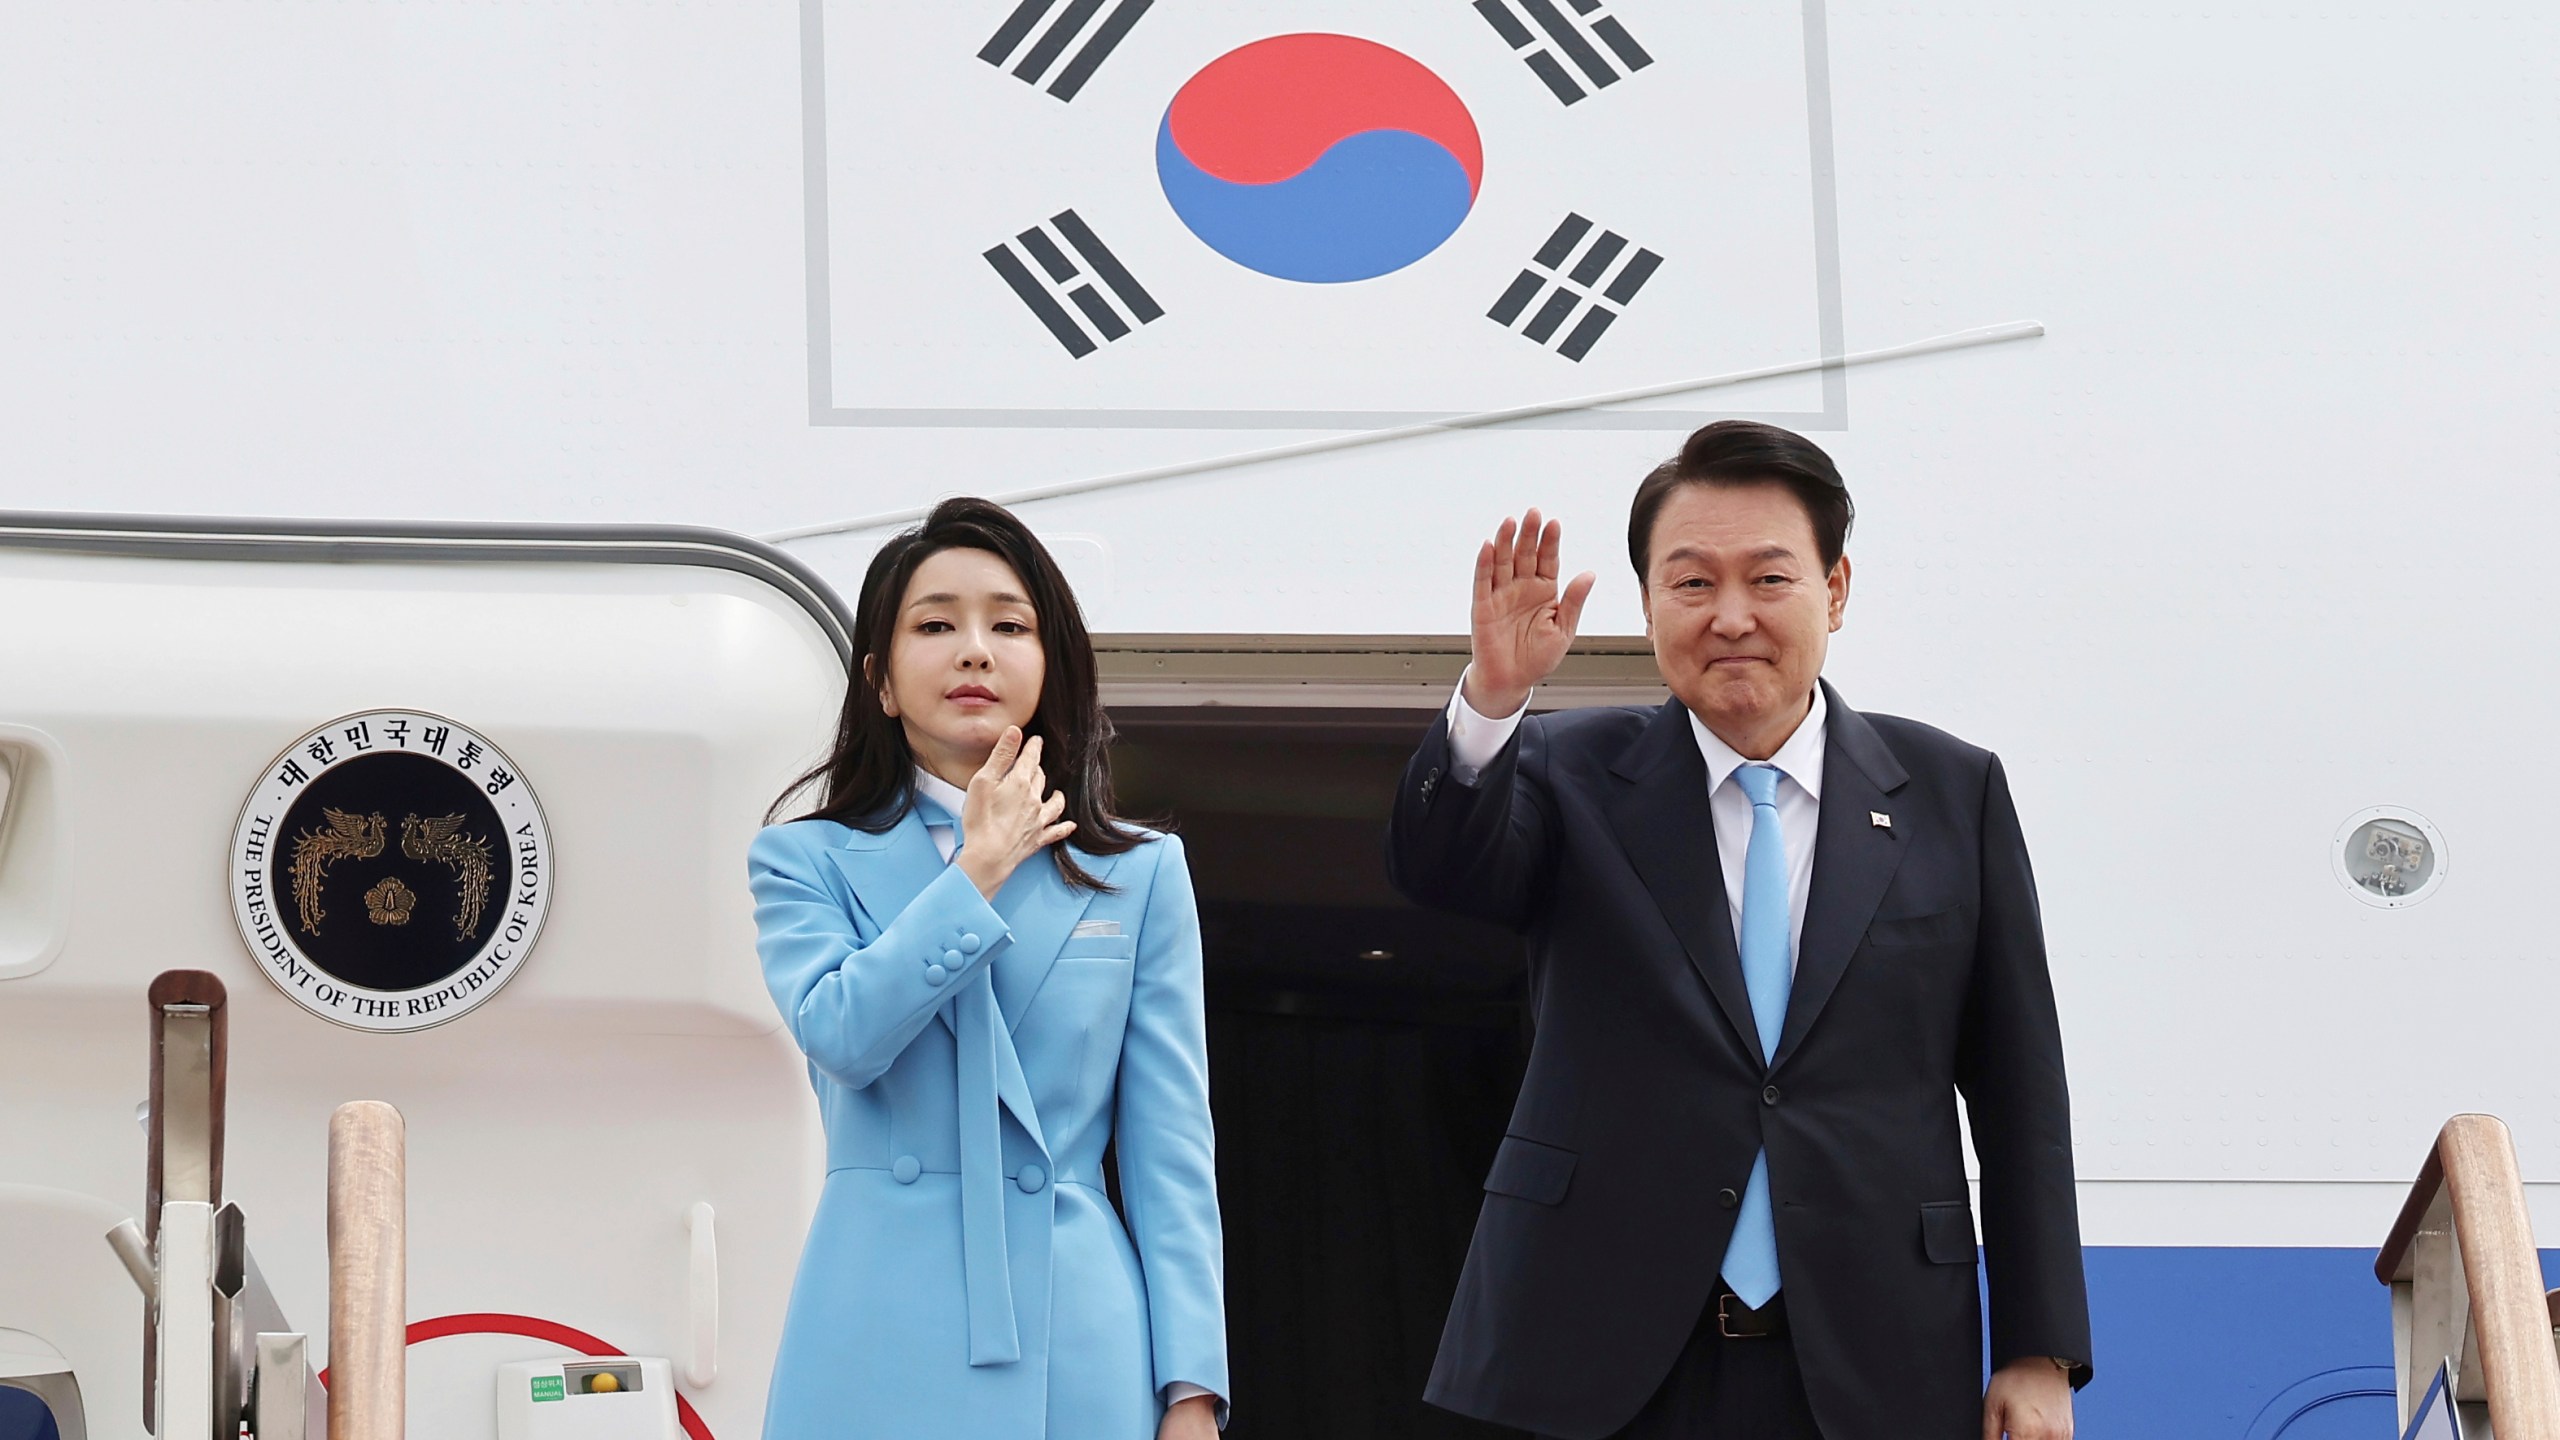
(1087,929)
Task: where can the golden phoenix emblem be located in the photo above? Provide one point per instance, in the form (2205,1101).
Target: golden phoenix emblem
(441,841)
(347,837)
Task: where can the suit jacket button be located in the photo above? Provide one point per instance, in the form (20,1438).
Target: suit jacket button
(1769,1096)
(1728,1199)
(1031,1178)
(905,1169)
(953,958)
(935,975)
(970,942)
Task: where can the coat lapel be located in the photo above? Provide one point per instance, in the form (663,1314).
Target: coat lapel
(1661,816)
(1041,909)
(1853,861)
(888,870)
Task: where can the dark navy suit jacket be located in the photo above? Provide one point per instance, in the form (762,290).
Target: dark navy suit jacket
(1921,973)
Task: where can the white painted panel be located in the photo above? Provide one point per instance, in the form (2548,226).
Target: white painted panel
(559,1135)
(656,710)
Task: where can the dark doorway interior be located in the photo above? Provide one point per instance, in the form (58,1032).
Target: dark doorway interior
(1363,1058)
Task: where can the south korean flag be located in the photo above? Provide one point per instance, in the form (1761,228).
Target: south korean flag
(1313,213)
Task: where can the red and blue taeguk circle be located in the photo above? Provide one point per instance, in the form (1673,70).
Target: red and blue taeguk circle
(1321,158)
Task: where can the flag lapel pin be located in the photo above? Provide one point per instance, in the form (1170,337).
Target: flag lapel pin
(1879,819)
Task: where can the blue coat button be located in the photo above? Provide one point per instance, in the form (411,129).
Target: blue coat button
(905,1169)
(953,958)
(1031,1178)
(935,974)
(970,942)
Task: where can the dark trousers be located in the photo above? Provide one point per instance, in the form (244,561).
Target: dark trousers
(1729,1389)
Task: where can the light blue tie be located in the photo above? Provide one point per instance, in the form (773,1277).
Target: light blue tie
(1768,971)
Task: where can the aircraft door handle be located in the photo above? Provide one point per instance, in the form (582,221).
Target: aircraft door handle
(702,1297)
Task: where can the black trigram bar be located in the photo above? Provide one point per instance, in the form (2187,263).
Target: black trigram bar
(1569,35)
(1567,283)
(1060,281)
(1074,20)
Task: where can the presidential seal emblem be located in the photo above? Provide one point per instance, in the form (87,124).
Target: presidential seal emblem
(391,870)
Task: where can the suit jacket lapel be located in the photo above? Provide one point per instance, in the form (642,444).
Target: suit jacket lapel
(1661,816)
(888,870)
(1041,909)
(1853,861)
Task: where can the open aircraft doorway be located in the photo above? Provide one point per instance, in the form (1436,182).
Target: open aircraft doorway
(1364,1053)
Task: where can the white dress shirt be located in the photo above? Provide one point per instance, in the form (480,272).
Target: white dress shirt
(955,800)
(1474,741)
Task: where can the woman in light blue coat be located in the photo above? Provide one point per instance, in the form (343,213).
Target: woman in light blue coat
(992,977)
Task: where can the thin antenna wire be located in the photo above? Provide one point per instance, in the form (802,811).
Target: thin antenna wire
(1957,340)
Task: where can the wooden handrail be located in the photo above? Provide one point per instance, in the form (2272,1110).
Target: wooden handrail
(2469,1197)
(368,1272)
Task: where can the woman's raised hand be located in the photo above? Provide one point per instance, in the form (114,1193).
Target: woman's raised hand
(1010,814)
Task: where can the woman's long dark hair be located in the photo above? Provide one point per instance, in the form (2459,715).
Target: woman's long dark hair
(868,780)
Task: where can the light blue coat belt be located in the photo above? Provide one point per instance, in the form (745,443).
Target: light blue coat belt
(990,1070)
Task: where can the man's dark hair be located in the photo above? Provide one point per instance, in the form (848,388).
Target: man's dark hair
(1746,452)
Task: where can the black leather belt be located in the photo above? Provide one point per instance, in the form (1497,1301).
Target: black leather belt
(1737,1321)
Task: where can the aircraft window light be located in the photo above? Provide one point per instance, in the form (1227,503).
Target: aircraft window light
(2389,857)
(620,1396)
(606,1379)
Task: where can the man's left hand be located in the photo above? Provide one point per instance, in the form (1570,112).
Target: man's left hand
(2029,1399)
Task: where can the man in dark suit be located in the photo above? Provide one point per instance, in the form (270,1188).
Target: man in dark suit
(1772,939)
